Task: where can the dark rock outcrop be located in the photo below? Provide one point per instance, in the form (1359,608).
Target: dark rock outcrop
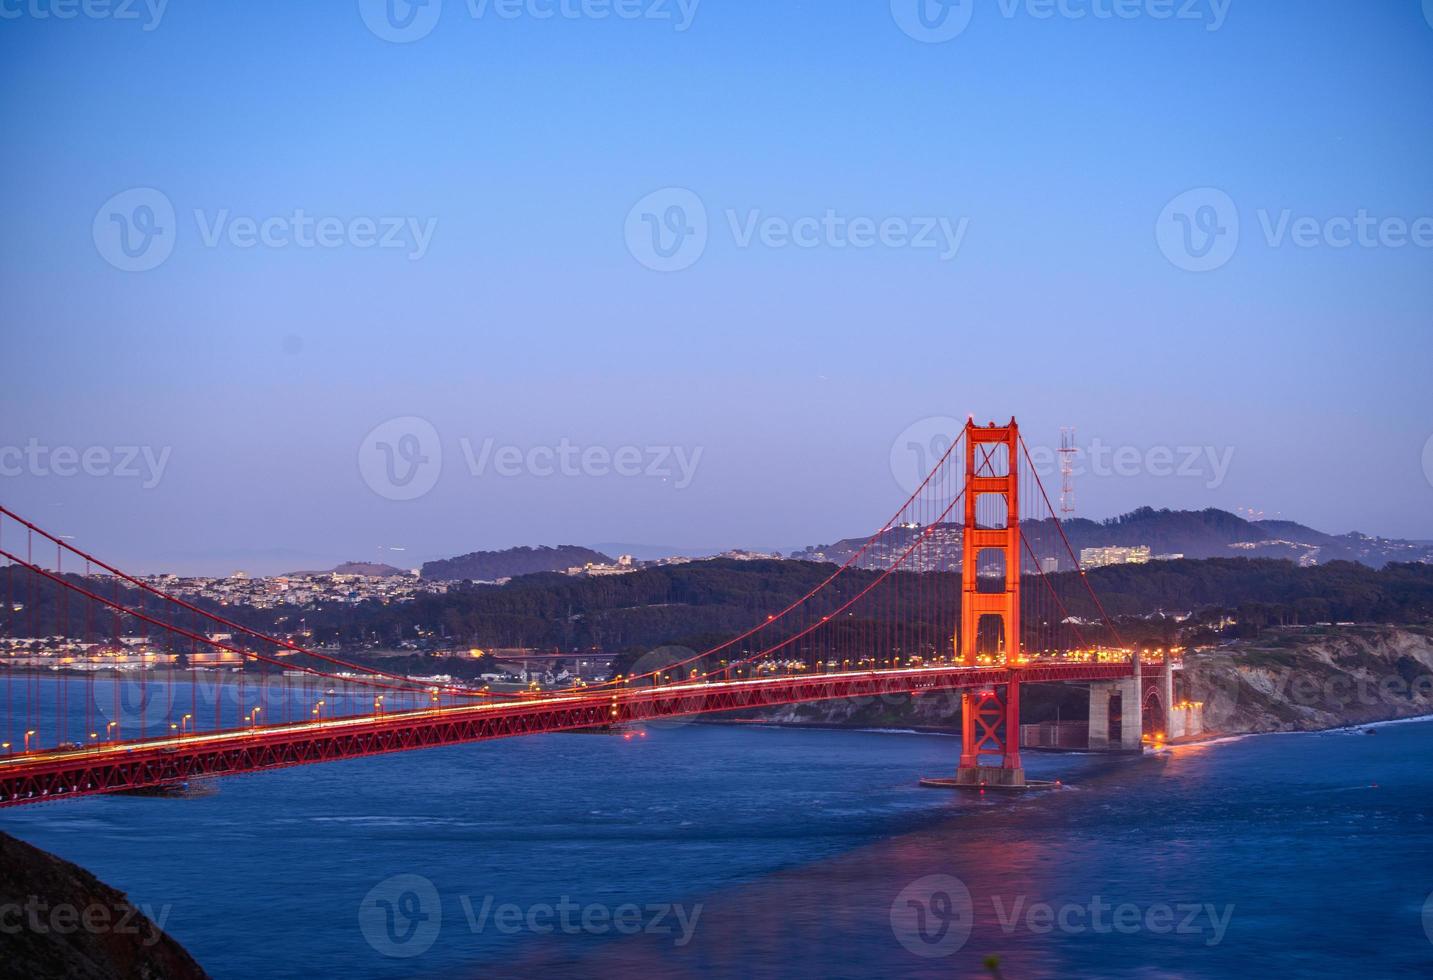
(58,920)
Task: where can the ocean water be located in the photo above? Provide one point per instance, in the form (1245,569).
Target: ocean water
(703,850)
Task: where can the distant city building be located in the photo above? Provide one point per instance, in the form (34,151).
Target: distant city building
(1049,566)
(1114,555)
(621,566)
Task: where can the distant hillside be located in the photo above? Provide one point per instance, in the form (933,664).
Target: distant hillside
(488,566)
(700,603)
(1200,534)
(372,569)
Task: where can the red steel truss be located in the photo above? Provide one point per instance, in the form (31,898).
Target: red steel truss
(90,772)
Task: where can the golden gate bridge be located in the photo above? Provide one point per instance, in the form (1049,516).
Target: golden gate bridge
(892,619)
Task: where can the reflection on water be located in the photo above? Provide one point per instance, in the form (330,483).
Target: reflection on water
(760,852)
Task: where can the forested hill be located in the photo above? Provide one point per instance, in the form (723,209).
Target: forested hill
(489,566)
(712,600)
(709,601)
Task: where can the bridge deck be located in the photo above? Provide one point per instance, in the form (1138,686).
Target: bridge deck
(46,776)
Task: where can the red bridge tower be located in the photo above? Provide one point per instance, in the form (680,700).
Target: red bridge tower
(990,719)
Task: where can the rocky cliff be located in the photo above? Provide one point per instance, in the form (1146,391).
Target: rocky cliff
(1314,678)
(1293,679)
(58,920)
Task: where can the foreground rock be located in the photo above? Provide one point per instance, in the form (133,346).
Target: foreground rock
(58,920)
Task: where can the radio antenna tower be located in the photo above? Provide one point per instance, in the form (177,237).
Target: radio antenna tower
(1067,472)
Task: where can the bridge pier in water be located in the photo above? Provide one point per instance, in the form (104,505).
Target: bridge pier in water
(1123,714)
(1128,696)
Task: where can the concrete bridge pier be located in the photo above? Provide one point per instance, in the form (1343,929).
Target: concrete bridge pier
(1130,695)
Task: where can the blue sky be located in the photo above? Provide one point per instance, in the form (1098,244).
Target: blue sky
(261,375)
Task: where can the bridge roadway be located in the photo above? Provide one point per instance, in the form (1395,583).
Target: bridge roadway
(47,776)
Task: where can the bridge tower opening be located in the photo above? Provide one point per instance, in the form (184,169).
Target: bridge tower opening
(990,612)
